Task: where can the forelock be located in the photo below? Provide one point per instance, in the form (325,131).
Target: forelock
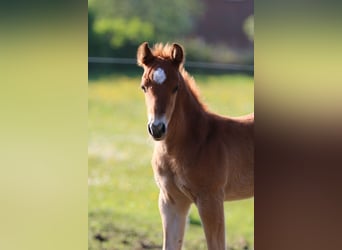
(161,50)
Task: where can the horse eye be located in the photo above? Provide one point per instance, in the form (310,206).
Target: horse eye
(175,89)
(143,88)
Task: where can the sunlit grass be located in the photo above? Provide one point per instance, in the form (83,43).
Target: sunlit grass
(122,193)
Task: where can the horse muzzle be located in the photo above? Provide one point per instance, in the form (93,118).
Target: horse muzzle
(157,131)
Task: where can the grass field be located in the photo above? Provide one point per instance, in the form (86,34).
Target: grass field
(122,205)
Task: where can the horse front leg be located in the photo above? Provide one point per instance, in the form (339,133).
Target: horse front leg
(173,211)
(211,211)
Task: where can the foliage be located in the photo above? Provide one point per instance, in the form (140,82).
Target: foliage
(123,210)
(169,18)
(121,31)
(116,28)
(131,21)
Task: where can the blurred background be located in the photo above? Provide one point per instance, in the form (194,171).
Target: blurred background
(211,31)
(122,195)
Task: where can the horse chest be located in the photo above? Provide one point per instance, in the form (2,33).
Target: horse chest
(171,178)
(184,187)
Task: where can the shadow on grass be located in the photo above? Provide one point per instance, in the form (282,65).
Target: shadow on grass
(108,230)
(195,222)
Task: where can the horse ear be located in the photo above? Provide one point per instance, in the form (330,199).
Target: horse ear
(144,55)
(177,54)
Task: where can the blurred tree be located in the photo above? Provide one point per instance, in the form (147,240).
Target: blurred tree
(117,27)
(120,31)
(129,22)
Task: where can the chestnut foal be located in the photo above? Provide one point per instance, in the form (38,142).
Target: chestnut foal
(199,157)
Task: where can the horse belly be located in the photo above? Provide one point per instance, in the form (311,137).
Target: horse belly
(241,187)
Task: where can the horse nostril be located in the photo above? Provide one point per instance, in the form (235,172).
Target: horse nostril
(163,129)
(157,131)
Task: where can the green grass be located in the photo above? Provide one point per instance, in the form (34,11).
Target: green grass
(123,210)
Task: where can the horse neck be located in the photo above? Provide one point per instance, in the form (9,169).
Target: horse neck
(188,118)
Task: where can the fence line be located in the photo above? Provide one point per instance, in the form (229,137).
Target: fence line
(190,64)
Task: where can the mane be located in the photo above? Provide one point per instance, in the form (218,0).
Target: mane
(164,51)
(192,87)
(161,50)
